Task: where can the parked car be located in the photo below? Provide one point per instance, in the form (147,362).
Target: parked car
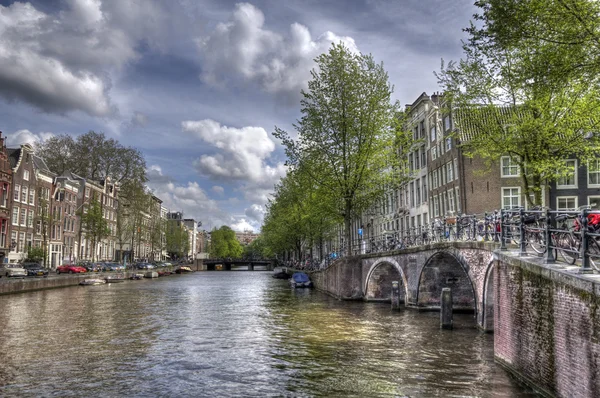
(144,266)
(35,269)
(70,269)
(112,267)
(12,271)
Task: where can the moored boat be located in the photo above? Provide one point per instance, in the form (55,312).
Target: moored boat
(281,275)
(114,279)
(89,282)
(300,279)
(183,270)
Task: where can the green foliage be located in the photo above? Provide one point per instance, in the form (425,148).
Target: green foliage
(350,136)
(177,239)
(528,86)
(92,156)
(257,249)
(93,223)
(35,254)
(224,244)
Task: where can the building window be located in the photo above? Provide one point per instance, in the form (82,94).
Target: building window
(433,135)
(17,193)
(451,201)
(21,241)
(434,153)
(24,193)
(509,167)
(448,144)
(566,203)
(4,193)
(423,158)
(23,216)
(425,193)
(411,162)
(450,170)
(511,198)
(26,175)
(594,202)
(417,163)
(570,179)
(32,197)
(594,173)
(87,192)
(458,210)
(13,243)
(15,216)
(412,194)
(436,206)
(30,219)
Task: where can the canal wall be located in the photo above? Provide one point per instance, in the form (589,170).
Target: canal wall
(10,286)
(547,326)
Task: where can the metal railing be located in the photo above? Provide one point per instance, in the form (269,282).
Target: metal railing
(574,234)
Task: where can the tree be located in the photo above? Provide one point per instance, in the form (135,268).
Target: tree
(94,225)
(350,138)
(224,244)
(45,221)
(177,239)
(133,213)
(528,86)
(92,156)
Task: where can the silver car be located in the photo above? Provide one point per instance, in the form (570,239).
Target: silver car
(12,271)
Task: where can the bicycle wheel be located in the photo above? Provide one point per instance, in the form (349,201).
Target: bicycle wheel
(568,246)
(536,239)
(514,234)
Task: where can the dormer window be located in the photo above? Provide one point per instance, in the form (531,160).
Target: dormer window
(26,175)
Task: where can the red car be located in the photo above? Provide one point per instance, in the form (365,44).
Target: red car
(70,269)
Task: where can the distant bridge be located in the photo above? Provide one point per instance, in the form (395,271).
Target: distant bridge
(216,264)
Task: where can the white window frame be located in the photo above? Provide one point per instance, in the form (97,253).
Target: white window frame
(17,193)
(510,166)
(448,143)
(575,198)
(436,206)
(594,199)
(26,175)
(446,122)
(434,153)
(569,186)
(23,218)
(24,194)
(432,133)
(15,216)
(510,196)
(597,172)
(32,197)
(450,171)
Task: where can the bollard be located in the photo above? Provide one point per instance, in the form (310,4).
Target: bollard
(395,295)
(446,308)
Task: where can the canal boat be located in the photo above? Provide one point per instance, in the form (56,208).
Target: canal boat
(281,275)
(89,282)
(114,279)
(183,270)
(300,279)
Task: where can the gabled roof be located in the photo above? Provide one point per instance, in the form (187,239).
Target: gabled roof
(39,164)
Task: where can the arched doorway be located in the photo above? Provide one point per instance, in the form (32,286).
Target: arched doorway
(379,283)
(444,270)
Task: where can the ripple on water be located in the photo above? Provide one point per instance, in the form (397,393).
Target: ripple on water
(231,334)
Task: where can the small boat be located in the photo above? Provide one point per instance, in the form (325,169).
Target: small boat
(114,279)
(136,277)
(183,269)
(89,282)
(300,279)
(281,275)
(164,273)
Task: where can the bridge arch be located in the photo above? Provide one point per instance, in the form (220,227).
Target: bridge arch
(378,283)
(442,269)
(486,313)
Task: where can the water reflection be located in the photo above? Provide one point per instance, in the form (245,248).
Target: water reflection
(235,334)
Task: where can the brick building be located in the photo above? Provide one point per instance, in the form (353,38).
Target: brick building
(5,200)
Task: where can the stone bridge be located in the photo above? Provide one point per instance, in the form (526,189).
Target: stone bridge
(545,317)
(422,273)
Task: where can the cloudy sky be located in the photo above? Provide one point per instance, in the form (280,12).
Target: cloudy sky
(198,85)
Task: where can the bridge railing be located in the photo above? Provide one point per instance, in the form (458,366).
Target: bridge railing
(572,234)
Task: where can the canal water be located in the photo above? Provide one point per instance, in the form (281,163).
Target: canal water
(235,334)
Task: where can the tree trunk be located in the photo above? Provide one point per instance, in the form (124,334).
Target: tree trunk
(347,226)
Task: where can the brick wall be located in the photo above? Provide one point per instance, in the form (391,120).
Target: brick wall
(547,328)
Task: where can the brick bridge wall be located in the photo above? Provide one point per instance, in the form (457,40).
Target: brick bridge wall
(546,320)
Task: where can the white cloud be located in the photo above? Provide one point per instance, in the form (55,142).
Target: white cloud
(241,155)
(26,137)
(242,225)
(66,61)
(219,190)
(139,119)
(256,213)
(279,64)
